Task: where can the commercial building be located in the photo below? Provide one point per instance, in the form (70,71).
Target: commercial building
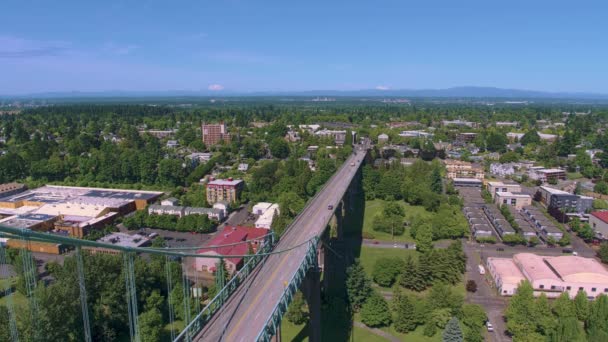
(466,137)
(338,136)
(461,169)
(517,200)
(228,190)
(458,123)
(415,134)
(121,240)
(214,133)
(506,275)
(564,201)
(73,211)
(231,242)
(266,214)
(467,182)
(546,175)
(8,189)
(494,187)
(599,222)
(550,275)
(212,213)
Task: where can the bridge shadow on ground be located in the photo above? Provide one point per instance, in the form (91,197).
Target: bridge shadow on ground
(336,316)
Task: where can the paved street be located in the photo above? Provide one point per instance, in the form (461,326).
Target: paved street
(486,295)
(245,313)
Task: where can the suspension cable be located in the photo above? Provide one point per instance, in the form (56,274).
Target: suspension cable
(8,294)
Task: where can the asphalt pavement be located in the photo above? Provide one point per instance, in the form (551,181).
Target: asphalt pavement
(245,314)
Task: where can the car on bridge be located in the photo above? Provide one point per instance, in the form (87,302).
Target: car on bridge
(330,207)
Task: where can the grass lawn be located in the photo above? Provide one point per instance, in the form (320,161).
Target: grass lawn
(362,335)
(292,332)
(414,336)
(374,207)
(369,255)
(574,175)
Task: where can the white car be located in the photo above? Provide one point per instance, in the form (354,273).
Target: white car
(489,326)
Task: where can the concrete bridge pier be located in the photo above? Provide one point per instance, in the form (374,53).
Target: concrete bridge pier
(311,288)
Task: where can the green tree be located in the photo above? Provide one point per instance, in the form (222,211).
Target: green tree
(531,137)
(601,187)
(151,325)
(358,286)
(521,313)
(581,305)
(411,277)
(568,330)
(597,322)
(296,313)
(452,332)
(405,312)
(375,311)
(386,271)
(473,319)
(546,319)
(279,148)
(603,252)
(436,181)
(424,238)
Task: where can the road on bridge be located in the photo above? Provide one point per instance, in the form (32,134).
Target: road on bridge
(245,313)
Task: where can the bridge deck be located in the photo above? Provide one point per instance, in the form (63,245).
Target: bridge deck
(245,313)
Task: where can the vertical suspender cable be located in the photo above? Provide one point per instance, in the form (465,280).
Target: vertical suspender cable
(83,295)
(186,291)
(169,295)
(131,294)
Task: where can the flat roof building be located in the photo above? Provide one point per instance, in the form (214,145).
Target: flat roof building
(551,275)
(228,190)
(214,133)
(517,200)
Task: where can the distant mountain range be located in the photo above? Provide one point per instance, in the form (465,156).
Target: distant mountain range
(455,92)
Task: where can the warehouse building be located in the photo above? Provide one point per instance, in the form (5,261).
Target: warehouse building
(550,275)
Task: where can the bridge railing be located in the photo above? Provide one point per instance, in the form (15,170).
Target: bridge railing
(280,308)
(220,298)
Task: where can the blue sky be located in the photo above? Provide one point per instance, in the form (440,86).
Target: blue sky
(252,45)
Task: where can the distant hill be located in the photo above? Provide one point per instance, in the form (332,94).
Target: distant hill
(455,92)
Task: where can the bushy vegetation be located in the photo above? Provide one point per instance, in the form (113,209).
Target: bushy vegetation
(189,223)
(536,319)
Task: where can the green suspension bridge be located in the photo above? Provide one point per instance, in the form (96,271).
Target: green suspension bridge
(249,305)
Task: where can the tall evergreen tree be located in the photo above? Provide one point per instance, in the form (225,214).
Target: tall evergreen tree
(358,285)
(405,315)
(452,332)
(436,181)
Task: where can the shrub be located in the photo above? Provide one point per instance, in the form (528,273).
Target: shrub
(471,286)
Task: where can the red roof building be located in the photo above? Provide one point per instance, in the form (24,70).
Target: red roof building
(228,242)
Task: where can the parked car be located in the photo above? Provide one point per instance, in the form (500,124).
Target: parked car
(489,326)
(500,249)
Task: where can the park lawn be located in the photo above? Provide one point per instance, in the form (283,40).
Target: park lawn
(574,175)
(375,207)
(292,332)
(362,335)
(414,336)
(369,255)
